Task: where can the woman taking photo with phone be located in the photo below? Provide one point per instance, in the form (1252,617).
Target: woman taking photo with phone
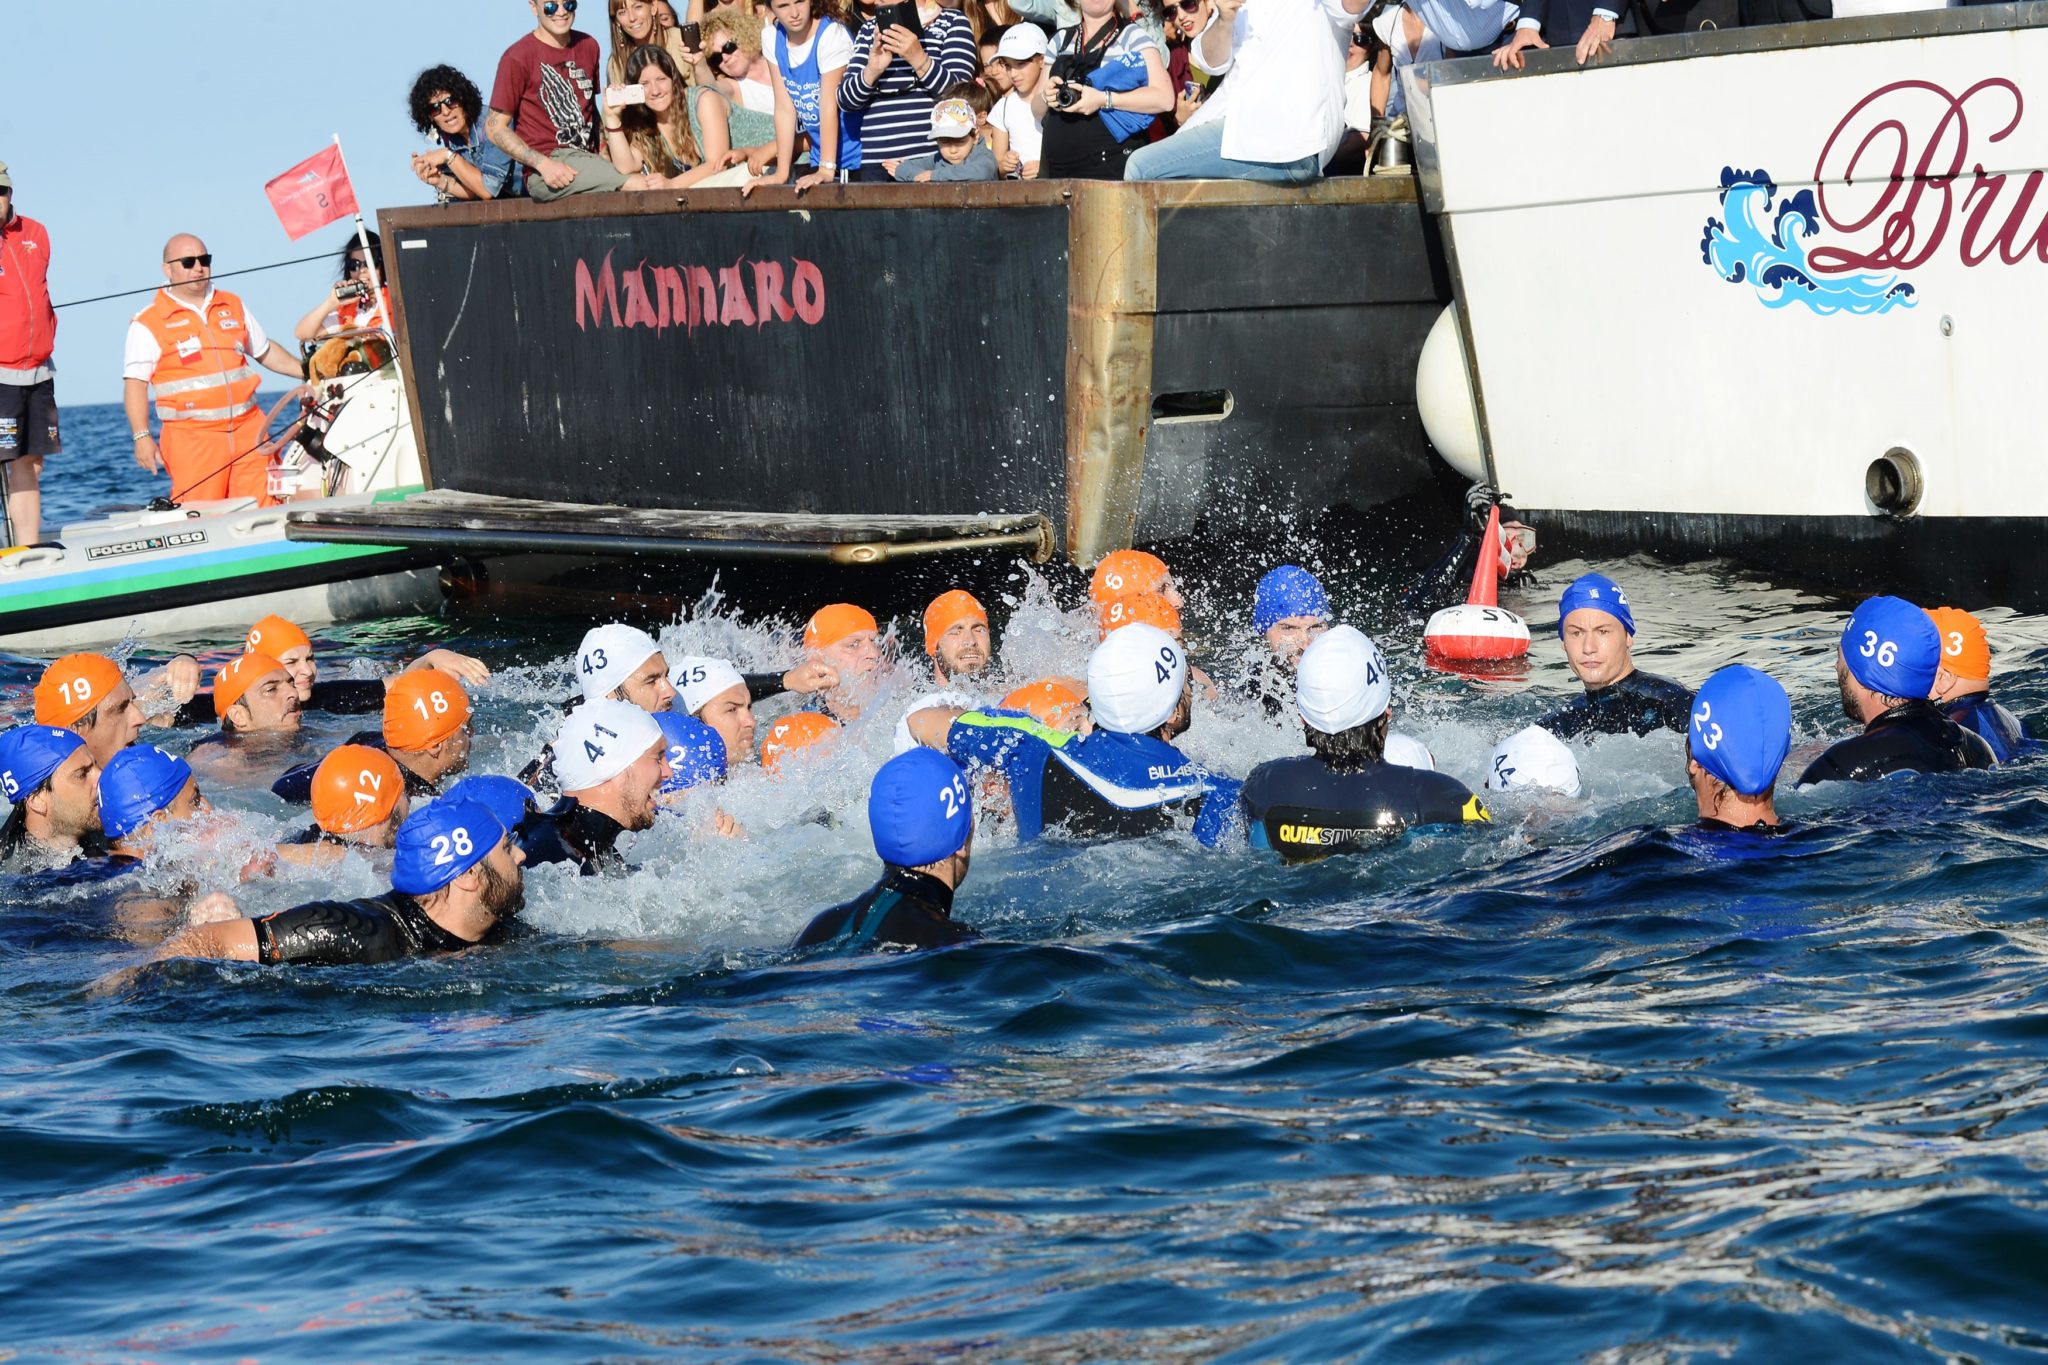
(904,60)
(651,143)
(637,23)
(1106,84)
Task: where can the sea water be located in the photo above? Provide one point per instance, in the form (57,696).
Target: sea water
(1573,1086)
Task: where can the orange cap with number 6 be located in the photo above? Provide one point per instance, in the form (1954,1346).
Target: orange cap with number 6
(423,707)
(1123,572)
(354,788)
(74,685)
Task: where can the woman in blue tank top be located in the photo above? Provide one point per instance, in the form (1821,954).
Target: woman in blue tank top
(807,57)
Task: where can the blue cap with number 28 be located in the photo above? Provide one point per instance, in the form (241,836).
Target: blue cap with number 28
(918,808)
(441,842)
(1892,647)
(1742,728)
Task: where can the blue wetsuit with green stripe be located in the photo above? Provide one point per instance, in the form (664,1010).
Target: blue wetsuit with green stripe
(1105,786)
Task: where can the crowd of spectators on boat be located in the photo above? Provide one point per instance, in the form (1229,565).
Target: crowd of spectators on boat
(747,93)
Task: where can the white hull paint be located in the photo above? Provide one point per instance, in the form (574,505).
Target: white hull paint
(1619,371)
(384,594)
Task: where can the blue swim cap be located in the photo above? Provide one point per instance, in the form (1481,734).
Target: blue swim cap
(696,752)
(29,754)
(442,842)
(137,783)
(505,797)
(918,808)
(1288,591)
(1601,593)
(1742,728)
(1892,647)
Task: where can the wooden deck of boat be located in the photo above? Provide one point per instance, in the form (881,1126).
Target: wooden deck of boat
(444,519)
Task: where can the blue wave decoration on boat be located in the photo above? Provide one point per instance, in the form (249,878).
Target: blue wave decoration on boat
(1764,247)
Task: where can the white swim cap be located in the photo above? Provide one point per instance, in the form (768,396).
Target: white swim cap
(1533,757)
(1409,752)
(600,740)
(1135,679)
(1342,682)
(608,656)
(698,680)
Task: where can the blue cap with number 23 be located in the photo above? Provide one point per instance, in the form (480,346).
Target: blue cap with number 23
(441,842)
(1741,728)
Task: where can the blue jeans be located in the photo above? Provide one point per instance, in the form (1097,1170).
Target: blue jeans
(1197,154)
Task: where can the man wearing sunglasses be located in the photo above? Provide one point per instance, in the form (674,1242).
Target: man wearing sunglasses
(198,347)
(544,106)
(28,385)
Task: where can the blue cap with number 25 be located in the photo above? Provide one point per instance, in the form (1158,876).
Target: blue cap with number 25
(441,842)
(918,809)
(1742,728)
(1892,647)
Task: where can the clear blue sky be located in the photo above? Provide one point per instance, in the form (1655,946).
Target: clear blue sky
(128,120)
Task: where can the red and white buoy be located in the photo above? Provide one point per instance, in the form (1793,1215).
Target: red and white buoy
(1481,631)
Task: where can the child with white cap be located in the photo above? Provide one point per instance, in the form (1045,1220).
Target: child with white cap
(1119,775)
(961,156)
(1020,57)
(1344,795)
(610,761)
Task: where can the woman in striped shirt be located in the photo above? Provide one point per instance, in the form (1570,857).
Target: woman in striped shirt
(897,76)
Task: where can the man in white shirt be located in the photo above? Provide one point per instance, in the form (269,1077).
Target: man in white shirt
(1281,114)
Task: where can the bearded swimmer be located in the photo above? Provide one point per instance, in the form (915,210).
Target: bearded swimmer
(1598,632)
(455,882)
(1889,654)
(611,760)
(1120,775)
(1962,684)
(1344,796)
(50,778)
(923,825)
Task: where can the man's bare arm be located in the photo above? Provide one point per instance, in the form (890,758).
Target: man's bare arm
(498,128)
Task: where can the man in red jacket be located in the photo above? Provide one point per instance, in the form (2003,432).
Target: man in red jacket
(28,385)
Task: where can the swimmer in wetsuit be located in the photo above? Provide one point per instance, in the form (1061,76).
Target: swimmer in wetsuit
(359,801)
(292,648)
(455,881)
(1598,631)
(1447,582)
(1962,685)
(1120,776)
(923,825)
(427,732)
(1889,654)
(1289,610)
(87,694)
(611,760)
(50,777)
(1740,733)
(1345,796)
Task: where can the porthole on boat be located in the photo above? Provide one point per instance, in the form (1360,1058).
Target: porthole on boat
(1893,483)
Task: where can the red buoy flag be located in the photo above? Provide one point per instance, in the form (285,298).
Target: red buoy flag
(313,193)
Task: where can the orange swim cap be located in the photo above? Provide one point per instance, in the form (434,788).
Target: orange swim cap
(273,635)
(1123,572)
(237,676)
(1050,703)
(1147,608)
(354,788)
(423,707)
(792,733)
(830,625)
(1964,650)
(947,610)
(74,685)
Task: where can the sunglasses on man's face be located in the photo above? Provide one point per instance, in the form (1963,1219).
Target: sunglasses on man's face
(187,262)
(552,8)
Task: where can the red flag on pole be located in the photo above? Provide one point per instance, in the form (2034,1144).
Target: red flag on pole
(313,193)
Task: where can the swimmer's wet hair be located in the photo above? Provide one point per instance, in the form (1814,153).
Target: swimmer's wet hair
(1350,750)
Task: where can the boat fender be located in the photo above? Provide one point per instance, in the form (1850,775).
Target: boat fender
(1443,396)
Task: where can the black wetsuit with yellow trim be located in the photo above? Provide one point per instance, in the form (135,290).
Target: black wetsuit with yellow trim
(907,909)
(1305,809)
(571,832)
(296,786)
(337,933)
(1640,704)
(1912,737)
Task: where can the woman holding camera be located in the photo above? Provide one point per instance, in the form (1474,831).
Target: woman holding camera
(349,305)
(1107,83)
(653,144)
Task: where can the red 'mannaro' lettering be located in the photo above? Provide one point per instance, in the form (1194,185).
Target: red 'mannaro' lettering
(657,297)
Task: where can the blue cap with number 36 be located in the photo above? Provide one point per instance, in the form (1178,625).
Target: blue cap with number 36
(441,842)
(1892,648)
(918,808)
(1741,728)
